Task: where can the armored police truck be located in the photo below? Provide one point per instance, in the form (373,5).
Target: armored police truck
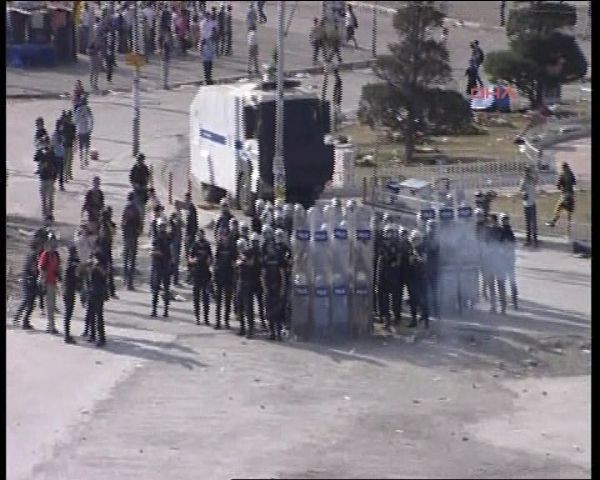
(232,142)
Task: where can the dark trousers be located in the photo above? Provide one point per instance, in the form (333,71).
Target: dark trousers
(110,66)
(501,293)
(60,162)
(274,311)
(176,261)
(246,310)
(417,290)
(228,43)
(201,289)
(94,318)
(160,277)
(129,255)
(257,293)
(224,293)
(30,292)
(208,73)
(531,223)
(387,288)
(316,47)
(433,293)
(69,299)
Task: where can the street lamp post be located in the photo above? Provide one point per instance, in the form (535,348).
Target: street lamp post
(278,161)
(136,82)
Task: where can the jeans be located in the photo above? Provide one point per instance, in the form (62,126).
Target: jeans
(531,222)
(68,163)
(47,194)
(208,72)
(129,254)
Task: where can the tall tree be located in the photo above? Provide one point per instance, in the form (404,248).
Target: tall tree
(543,52)
(417,63)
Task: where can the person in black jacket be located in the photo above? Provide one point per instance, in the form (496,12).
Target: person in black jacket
(139,177)
(417,283)
(161,267)
(94,204)
(48,173)
(131,226)
(96,298)
(68,139)
(246,265)
(29,285)
(273,281)
(228,31)
(200,259)
(71,286)
(224,275)
(386,271)
(40,132)
(508,253)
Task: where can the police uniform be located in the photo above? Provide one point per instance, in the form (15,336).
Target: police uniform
(403,272)
(201,253)
(224,278)
(257,290)
(417,284)
(508,242)
(131,226)
(387,269)
(273,278)
(247,279)
(286,257)
(161,270)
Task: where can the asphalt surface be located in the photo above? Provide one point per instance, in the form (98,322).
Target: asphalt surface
(177,400)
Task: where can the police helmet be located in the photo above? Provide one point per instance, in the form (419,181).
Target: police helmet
(287,210)
(280,235)
(278,203)
(224,203)
(141,157)
(504,218)
(267,231)
(479,214)
(416,236)
(241,245)
(351,205)
(335,202)
(255,238)
(259,205)
(388,231)
(233,222)
(243,226)
(478,194)
(403,231)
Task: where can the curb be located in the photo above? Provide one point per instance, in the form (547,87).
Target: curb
(560,244)
(349,66)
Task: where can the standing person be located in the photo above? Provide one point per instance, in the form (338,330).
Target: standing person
(93,204)
(257,291)
(432,249)
(84,243)
(149,29)
(71,286)
(95,64)
(94,318)
(79,94)
(200,260)
(166,49)
(351,24)
(207,29)
(223,269)
(261,11)
(58,149)
(251,17)
(528,190)
(161,268)
(222,221)
(566,185)
(110,54)
(68,142)
(40,132)
(497,262)
(195,31)
(176,231)
(246,284)
(337,96)
(158,216)
(252,52)
(44,157)
(472,79)
(128,23)
(84,123)
(509,257)
(109,230)
(131,226)
(273,283)
(228,31)
(208,56)
(386,270)
(85,29)
(165,20)
(181,30)
(222,34)
(477,58)
(29,284)
(403,270)
(315,37)
(417,280)
(139,178)
(191,223)
(332,33)
(50,275)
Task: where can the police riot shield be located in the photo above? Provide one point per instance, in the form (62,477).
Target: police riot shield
(467,258)
(340,321)
(448,281)
(321,267)
(361,304)
(301,276)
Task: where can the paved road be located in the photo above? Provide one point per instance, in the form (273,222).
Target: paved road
(172,399)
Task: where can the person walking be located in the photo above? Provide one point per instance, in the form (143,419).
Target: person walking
(252,53)
(47,172)
(208,56)
(131,226)
(262,18)
(222,37)
(351,24)
(273,277)
(96,297)
(49,277)
(176,235)
(251,18)
(566,185)
(315,37)
(110,54)
(200,260)
(166,50)
(228,31)
(93,204)
(161,268)
(477,58)
(84,124)
(29,285)
(58,150)
(528,187)
(68,143)
(72,285)
(95,64)
(337,96)
(223,271)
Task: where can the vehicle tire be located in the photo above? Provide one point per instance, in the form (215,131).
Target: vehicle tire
(245,197)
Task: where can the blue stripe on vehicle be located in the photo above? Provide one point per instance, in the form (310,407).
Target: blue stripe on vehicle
(212,136)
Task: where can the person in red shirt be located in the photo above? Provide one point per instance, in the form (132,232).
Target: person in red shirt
(50,275)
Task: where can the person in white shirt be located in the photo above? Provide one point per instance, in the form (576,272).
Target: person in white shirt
(528,190)
(84,124)
(207,28)
(252,52)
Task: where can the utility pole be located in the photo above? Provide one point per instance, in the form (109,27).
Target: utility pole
(279,183)
(374,35)
(136,80)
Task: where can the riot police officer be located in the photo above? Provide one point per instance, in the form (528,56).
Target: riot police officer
(508,243)
(259,207)
(200,260)
(417,280)
(244,231)
(246,284)
(161,267)
(223,270)
(257,292)
(403,268)
(497,263)
(234,230)
(387,258)
(432,248)
(72,285)
(222,221)
(283,249)
(273,281)
(482,233)
(96,297)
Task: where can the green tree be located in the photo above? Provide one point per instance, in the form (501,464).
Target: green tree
(416,66)
(543,53)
